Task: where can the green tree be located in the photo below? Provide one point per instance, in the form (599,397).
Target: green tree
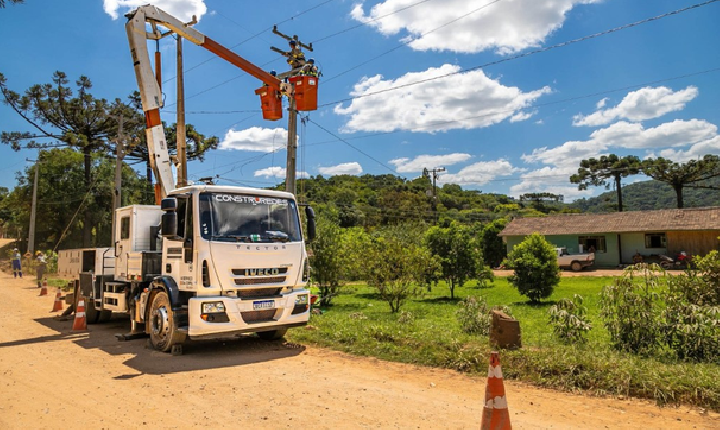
(395,264)
(328,259)
(534,262)
(457,251)
(679,175)
(494,250)
(82,122)
(60,202)
(594,172)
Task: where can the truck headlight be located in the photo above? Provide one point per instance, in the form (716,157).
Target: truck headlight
(213,307)
(301,300)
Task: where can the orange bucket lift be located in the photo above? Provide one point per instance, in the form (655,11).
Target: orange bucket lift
(270,102)
(306,92)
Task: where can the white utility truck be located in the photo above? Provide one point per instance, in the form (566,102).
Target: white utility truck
(208,262)
(575,262)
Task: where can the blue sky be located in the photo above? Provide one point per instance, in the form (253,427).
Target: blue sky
(518,126)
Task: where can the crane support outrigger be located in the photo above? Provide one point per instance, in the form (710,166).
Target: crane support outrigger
(208,261)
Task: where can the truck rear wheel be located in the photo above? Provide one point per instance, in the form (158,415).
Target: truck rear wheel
(576,266)
(272,335)
(162,323)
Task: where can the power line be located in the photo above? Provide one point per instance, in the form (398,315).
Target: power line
(529,53)
(253,36)
(350,145)
(412,40)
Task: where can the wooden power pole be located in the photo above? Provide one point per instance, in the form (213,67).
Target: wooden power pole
(181,139)
(31,231)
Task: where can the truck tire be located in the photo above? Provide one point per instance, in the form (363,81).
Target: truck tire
(162,323)
(575,266)
(272,335)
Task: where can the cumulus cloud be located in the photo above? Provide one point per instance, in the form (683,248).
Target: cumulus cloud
(255,139)
(645,103)
(507,26)
(480,173)
(548,180)
(417,164)
(695,152)
(351,168)
(180,9)
(461,101)
(626,135)
(278,172)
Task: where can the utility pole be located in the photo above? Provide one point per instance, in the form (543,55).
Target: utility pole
(295,56)
(291,148)
(31,233)
(181,139)
(435,174)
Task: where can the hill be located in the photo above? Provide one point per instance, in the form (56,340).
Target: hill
(651,195)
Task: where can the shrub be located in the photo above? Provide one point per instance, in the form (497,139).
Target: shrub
(692,316)
(485,277)
(534,262)
(569,321)
(474,315)
(631,309)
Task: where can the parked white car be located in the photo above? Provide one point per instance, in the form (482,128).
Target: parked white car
(575,262)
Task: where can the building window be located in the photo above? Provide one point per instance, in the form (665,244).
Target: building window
(125,227)
(655,240)
(593,244)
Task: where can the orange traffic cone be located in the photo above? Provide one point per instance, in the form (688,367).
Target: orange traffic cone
(57,306)
(79,323)
(495,413)
(43,289)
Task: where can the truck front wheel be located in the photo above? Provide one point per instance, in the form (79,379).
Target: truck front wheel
(576,266)
(272,335)
(162,322)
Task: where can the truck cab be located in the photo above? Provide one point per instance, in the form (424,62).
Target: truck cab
(575,262)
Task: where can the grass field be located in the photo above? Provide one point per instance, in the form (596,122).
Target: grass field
(427,332)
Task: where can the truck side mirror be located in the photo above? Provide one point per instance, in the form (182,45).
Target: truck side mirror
(311,227)
(169,225)
(169,219)
(169,204)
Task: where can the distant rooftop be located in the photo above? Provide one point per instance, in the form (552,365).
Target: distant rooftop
(618,222)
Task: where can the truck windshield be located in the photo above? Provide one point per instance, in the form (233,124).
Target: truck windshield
(226,217)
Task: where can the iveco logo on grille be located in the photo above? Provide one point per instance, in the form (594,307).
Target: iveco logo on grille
(261,272)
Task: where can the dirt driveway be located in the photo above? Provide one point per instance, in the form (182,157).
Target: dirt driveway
(51,377)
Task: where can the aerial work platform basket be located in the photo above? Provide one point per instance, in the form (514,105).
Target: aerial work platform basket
(306,92)
(270,102)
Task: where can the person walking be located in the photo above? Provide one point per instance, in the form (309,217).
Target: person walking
(17,263)
(42,265)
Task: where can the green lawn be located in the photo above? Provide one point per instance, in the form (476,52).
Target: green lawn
(427,332)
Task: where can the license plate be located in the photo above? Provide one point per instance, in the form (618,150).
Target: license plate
(263,304)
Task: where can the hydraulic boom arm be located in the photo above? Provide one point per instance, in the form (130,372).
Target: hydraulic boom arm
(150,92)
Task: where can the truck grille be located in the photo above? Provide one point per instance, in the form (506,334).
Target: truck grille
(247,293)
(260,281)
(256,316)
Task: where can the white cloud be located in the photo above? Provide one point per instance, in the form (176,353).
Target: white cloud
(278,172)
(601,103)
(645,103)
(417,164)
(549,180)
(508,26)
(462,101)
(180,9)
(351,168)
(626,135)
(255,139)
(695,152)
(480,173)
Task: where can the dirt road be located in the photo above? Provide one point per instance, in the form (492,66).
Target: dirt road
(51,377)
